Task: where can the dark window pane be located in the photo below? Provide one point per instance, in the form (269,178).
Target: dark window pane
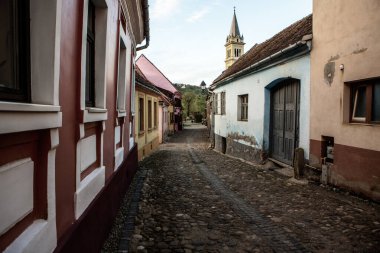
(14,50)
(90,57)
(141,114)
(7,45)
(360,102)
(376,102)
(149,114)
(90,74)
(91,18)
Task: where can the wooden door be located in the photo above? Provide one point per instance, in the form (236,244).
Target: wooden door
(284,120)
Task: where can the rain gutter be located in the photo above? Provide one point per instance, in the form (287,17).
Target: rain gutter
(306,40)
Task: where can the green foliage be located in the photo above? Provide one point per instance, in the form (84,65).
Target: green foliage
(193,99)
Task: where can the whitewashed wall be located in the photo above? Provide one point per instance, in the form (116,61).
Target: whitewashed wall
(258,103)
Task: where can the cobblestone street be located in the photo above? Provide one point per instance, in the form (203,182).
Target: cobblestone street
(194,199)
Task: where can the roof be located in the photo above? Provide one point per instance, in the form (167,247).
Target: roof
(154,75)
(289,36)
(143,82)
(234,31)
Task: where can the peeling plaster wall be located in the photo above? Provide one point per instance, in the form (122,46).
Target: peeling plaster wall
(255,131)
(345,32)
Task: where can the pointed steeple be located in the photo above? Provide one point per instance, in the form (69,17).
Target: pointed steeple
(234,31)
(234,43)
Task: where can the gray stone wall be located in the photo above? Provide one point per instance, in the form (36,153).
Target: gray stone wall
(245,152)
(237,149)
(218,143)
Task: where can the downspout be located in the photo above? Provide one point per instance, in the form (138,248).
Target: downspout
(146,26)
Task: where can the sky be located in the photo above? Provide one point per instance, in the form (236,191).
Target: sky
(187,37)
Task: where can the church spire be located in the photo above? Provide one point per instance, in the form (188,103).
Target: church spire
(234,43)
(234,31)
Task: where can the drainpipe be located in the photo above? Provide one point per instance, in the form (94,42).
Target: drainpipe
(146,26)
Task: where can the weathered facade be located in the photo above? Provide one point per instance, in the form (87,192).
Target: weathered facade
(261,103)
(66,140)
(147,102)
(345,94)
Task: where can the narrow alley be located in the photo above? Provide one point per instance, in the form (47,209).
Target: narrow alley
(194,199)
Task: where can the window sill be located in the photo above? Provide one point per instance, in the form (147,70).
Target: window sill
(243,120)
(121,113)
(92,114)
(19,117)
(363,124)
(27,107)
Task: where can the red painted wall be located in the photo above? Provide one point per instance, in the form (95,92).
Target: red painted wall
(354,168)
(69,93)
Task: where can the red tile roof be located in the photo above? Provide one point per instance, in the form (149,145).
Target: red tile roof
(154,75)
(289,36)
(142,81)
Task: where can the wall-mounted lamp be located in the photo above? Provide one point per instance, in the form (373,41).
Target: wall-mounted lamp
(341,66)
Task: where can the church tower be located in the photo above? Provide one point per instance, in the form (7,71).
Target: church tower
(234,43)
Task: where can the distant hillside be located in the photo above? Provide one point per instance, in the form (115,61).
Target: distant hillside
(196,89)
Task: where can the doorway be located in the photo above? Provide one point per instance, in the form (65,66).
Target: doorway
(284,126)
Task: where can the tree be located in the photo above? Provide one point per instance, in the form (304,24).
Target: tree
(187,99)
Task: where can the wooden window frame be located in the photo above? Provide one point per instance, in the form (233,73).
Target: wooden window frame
(141,115)
(217,103)
(369,94)
(21,55)
(155,114)
(243,107)
(223,103)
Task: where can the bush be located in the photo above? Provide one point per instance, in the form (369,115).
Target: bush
(198,118)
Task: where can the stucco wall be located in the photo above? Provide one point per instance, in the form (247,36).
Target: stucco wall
(147,140)
(344,32)
(255,85)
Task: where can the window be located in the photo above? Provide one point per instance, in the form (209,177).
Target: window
(124,70)
(217,103)
(14,51)
(171,118)
(141,114)
(90,57)
(228,53)
(94,61)
(155,114)
(149,114)
(365,101)
(243,107)
(223,102)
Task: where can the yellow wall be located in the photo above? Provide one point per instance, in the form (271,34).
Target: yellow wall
(231,45)
(345,32)
(147,139)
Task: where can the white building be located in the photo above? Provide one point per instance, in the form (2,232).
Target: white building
(262,102)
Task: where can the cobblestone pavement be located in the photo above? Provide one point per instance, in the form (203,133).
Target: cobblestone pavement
(197,200)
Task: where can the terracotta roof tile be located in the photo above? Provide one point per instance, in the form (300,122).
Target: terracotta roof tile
(289,36)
